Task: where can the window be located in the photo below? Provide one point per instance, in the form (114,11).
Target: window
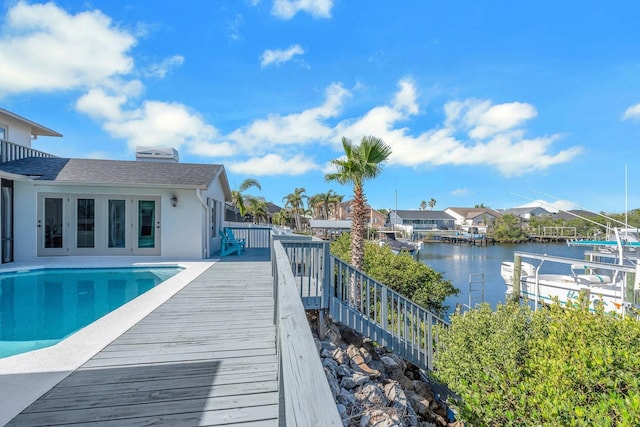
(3,132)
(214,218)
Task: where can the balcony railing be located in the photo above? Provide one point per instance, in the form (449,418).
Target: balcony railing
(10,152)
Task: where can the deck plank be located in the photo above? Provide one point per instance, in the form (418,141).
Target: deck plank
(207,356)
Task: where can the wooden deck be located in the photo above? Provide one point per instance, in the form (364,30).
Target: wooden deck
(205,357)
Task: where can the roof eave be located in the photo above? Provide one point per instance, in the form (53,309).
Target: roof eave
(118,184)
(36,129)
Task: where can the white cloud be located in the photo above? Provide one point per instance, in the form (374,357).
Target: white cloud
(632,113)
(153,124)
(278,57)
(460,192)
(494,136)
(483,120)
(159,71)
(274,164)
(43,48)
(405,98)
(300,128)
(287,9)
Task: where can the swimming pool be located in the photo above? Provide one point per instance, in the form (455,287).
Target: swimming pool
(39,308)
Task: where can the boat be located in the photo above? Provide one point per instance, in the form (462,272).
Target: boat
(389,238)
(609,275)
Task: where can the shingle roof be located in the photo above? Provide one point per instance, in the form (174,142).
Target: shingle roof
(116,172)
(471,213)
(420,214)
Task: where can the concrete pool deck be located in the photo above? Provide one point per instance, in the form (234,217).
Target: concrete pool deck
(25,377)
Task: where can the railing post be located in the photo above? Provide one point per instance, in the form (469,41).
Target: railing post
(327,276)
(384,310)
(517,269)
(429,328)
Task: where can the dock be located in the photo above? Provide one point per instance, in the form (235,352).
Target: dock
(207,356)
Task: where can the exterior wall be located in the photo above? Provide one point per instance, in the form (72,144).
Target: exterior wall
(18,132)
(182,228)
(459,219)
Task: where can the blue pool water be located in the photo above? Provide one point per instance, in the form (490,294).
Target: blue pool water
(39,308)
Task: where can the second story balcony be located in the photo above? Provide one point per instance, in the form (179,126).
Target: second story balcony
(10,152)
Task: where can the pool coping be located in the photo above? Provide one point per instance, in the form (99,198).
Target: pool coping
(27,376)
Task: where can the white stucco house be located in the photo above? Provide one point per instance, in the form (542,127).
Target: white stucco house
(473,217)
(52,206)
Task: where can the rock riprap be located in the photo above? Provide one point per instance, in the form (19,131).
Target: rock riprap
(374,387)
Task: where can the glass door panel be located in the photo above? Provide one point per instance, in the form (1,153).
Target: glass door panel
(146,223)
(53,220)
(6,202)
(117,224)
(86,223)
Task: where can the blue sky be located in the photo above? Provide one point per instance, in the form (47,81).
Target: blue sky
(500,103)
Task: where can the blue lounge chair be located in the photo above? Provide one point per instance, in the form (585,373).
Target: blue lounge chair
(229,245)
(229,233)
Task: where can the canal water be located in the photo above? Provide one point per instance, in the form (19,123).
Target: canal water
(458,262)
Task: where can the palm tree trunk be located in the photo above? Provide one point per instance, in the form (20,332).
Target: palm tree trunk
(357,238)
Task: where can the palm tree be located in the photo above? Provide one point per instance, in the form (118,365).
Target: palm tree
(281,218)
(257,208)
(432,203)
(322,204)
(315,205)
(237,198)
(295,203)
(423,205)
(362,162)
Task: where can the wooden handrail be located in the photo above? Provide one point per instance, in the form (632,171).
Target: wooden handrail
(305,397)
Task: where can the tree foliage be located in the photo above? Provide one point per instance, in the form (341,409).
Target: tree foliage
(507,229)
(513,366)
(401,273)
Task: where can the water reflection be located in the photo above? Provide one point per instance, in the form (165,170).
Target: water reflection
(458,262)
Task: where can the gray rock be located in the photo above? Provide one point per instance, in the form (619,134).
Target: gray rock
(347,398)
(340,356)
(365,354)
(328,345)
(380,417)
(333,383)
(333,335)
(348,383)
(344,371)
(326,353)
(389,363)
(352,351)
(371,395)
(342,410)
(418,403)
(398,398)
(331,365)
(359,378)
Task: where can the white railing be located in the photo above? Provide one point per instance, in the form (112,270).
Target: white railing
(383,315)
(305,398)
(10,151)
(255,237)
(362,303)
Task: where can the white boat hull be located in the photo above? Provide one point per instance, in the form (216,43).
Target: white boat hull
(565,289)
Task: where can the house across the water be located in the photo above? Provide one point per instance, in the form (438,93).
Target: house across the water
(155,206)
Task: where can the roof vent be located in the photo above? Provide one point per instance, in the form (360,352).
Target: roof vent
(157,154)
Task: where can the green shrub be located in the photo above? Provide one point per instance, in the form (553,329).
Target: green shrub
(402,273)
(513,366)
